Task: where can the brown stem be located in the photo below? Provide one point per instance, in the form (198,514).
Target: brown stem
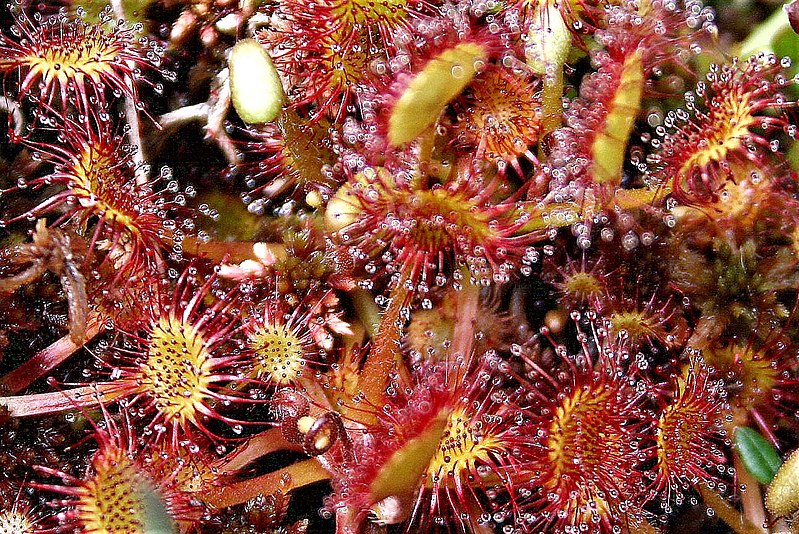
(751,497)
(219,103)
(298,475)
(734,519)
(46,360)
(132,114)
(177,117)
(265,443)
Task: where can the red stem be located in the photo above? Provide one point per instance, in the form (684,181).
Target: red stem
(58,401)
(467,307)
(46,360)
(232,252)
(385,354)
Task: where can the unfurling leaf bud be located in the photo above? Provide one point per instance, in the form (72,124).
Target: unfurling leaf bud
(255,86)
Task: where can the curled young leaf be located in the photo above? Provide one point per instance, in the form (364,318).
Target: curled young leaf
(323,433)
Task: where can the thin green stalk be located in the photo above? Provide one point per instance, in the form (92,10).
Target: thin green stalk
(552,99)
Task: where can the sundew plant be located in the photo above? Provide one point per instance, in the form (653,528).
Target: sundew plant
(383,266)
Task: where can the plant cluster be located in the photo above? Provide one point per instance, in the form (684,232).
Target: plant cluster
(500,266)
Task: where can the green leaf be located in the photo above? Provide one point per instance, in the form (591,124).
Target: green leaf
(775,36)
(757,455)
(135,10)
(762,37)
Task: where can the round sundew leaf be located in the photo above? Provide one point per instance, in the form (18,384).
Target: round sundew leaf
(757,455)
(255,85)
(782,497)
(442,79)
